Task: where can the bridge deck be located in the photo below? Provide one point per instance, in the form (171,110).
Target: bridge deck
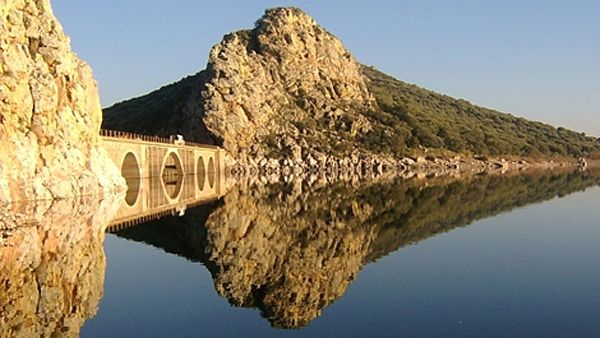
(150,139)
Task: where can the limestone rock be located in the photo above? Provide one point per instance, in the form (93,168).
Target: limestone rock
(285,88)
(49,140)
(287,70)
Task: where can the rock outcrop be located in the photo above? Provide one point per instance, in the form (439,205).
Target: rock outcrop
(51,115)
(286,72)
(285,89)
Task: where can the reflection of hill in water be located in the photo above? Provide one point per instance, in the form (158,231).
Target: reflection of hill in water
(291,250)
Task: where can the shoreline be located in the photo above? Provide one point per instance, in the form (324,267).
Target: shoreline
(420,167)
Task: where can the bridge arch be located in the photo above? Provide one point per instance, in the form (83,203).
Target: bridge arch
(210,172)
(172,164)
(131,171)
(172,175)
(200,173)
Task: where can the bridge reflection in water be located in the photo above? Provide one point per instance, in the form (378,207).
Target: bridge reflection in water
(164,176)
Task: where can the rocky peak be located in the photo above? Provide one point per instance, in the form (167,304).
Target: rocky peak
(286,71)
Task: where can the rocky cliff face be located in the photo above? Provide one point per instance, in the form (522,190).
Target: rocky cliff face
(51,115)
(283,90)
(287,72)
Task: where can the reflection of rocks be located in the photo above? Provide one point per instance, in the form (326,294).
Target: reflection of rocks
(51,266)
(420,210)
(287,255)
(50,111)
(292,249)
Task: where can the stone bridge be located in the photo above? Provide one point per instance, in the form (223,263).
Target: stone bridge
(163,176)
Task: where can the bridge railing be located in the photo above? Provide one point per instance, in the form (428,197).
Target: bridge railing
(150,138)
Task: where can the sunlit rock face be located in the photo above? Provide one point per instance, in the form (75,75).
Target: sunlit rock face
(52,266)
(49,142)
(285,89)
(284,72)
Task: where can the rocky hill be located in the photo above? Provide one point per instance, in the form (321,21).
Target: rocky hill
(288,90)
(50,111)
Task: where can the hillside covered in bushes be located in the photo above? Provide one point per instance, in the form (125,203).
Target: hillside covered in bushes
(420,117)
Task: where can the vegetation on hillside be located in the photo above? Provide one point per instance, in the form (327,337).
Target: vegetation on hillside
(420,117)
(147,114)
(410,118)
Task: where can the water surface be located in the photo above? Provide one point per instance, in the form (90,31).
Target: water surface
(497,256)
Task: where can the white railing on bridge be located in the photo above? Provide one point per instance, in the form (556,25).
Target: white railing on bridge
(152,138)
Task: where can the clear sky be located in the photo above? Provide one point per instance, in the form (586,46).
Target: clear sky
(536,59)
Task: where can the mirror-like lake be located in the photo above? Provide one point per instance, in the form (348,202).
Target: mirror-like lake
(488,255)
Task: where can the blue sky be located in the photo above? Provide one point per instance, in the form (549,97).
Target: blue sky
(536,59)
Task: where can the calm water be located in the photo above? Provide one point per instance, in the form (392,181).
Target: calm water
(486,256)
